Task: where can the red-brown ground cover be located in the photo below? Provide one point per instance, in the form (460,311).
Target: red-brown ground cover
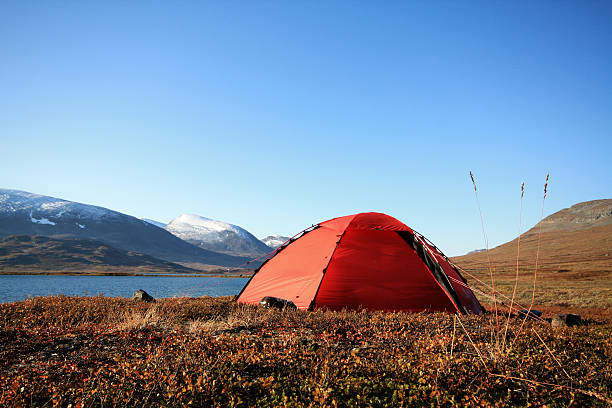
(99,351)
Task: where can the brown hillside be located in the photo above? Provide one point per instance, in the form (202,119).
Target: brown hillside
(581,216)
(36,254)
(575,264)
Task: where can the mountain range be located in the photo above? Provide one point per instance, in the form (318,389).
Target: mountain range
(219,236)
(41,233)
(23,213)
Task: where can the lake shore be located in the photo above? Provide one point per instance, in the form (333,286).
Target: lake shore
(137,273)
(15,288)
(210,351)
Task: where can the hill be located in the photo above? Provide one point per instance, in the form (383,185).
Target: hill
(575,262)
(23,213)
(37,254)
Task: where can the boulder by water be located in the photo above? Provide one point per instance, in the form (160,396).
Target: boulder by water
(142,296)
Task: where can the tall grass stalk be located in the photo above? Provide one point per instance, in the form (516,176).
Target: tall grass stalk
(535,270)
(516,275)
(486,242)
(454,331)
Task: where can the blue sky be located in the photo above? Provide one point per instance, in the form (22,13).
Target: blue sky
(277,115)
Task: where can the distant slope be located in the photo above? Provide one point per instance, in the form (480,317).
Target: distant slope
(156,223)
(274,241)
(216,236)
(596,213)
(576,251)
(21,253)
(575,237)
(23,213)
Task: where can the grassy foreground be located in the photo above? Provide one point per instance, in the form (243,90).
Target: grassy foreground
(100,351)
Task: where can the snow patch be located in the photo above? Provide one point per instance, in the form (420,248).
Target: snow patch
(44,221)
(195,227)
(202,222)
(191,226)
(12,201)
(55,205)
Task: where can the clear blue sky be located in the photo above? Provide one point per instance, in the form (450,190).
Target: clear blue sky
(275,115)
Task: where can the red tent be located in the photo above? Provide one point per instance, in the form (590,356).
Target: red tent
(367,260)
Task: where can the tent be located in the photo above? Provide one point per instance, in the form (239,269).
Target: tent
(366,260)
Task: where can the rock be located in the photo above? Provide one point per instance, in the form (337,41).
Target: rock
(142,296)
(566,320)
(277,303)
(532,314)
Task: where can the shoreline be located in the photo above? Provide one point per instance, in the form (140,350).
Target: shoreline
(158,274)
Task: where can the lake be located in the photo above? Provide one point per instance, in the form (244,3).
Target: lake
(19,287)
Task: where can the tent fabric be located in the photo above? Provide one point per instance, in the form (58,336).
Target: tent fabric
(374,221)
(295,272)
(369,268)
(362,261)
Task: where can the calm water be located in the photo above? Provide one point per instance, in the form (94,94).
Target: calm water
(19,287)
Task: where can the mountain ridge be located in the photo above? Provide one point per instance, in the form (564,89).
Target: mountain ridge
(582,215)
(216,235)
(23,213)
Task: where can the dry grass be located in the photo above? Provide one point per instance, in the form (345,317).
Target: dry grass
(136,320)
(212,352)
(575,267)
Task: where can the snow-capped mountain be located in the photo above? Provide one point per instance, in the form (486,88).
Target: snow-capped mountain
(216,235)
(23,213)
(153,222)
(39,207)
(274,241)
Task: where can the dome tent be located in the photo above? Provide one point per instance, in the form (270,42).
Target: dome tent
(366,260)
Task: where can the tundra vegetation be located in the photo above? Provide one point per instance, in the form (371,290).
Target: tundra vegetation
(99,351)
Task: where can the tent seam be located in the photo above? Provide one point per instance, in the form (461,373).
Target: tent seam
(314,298)
(278,250)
